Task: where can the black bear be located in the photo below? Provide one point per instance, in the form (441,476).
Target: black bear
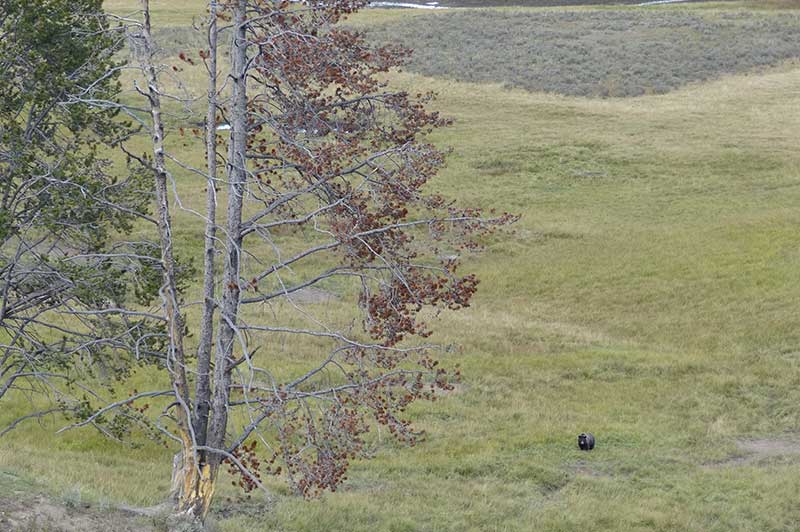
(585,441)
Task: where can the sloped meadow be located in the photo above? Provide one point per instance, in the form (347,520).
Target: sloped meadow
(603,52)
(648,295)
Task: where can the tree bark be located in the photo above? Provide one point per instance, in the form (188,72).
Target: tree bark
(198,500)
(203,384)
(237,176)
(193,477)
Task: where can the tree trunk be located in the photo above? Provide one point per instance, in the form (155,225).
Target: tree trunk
(196,481)
(203,385)
(237,176)
(199,470)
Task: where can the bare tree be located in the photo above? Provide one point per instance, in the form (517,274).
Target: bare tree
(325,190)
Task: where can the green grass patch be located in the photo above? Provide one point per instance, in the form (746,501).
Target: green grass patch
(648,295)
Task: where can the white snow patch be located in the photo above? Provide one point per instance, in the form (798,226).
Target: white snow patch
(429,5)
(656,2)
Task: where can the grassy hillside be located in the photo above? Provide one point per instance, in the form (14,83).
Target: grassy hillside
(609,52)
(649,295)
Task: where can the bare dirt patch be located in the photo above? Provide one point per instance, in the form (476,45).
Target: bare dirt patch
(766,448)
(25,508)
(36,513)
(753,451)
(582,468)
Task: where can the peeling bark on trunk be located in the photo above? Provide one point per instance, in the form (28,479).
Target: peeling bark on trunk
(193,485)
